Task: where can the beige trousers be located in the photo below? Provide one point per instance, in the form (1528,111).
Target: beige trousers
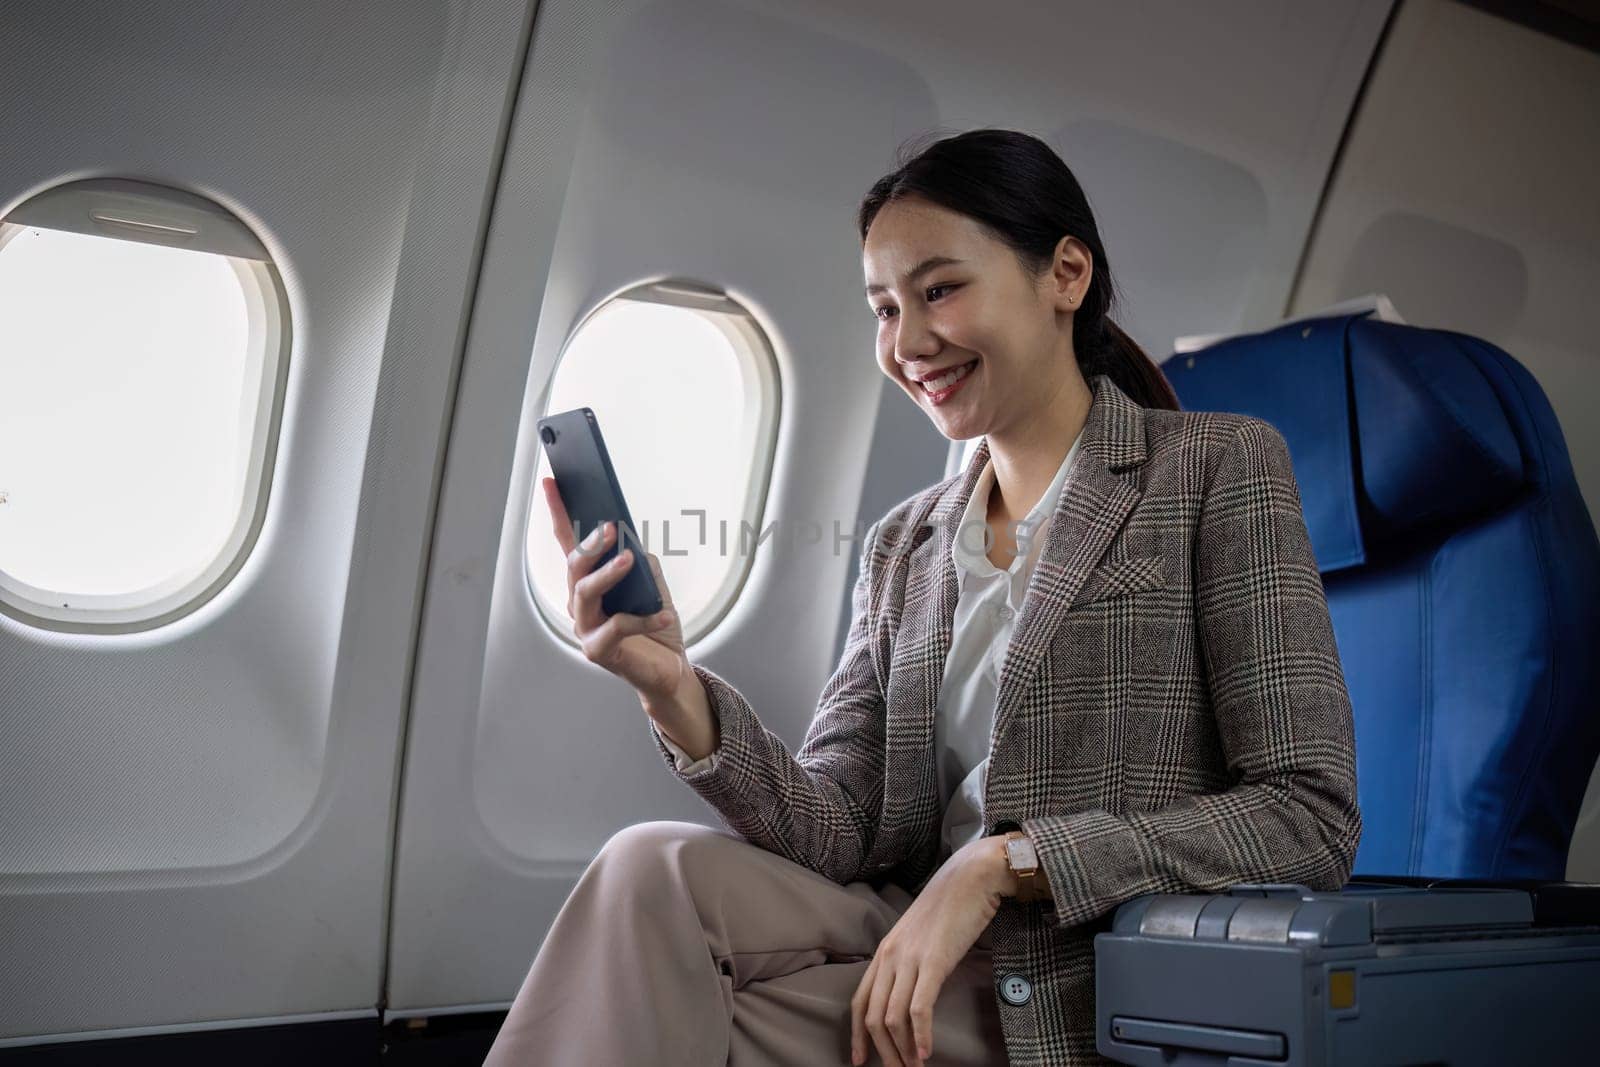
(686,944)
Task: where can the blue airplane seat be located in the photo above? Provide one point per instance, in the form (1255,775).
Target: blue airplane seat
(1463,578)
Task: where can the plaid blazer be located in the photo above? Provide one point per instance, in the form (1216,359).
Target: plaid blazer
(1171,716)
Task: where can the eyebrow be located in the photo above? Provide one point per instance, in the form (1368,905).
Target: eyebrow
(931,263)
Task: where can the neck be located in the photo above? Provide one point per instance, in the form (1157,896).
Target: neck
(1027,455)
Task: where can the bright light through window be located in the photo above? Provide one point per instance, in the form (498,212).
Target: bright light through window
(687,400)
(132,378)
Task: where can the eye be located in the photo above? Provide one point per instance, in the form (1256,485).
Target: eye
(937,288)
(877,312)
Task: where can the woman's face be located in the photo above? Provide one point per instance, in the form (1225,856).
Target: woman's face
(948,295)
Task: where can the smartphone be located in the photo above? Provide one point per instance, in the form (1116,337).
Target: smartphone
(591,494)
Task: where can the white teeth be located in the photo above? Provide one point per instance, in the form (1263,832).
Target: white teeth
(947,380)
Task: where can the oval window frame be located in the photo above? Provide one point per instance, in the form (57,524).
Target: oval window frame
(752,343)
(144,212)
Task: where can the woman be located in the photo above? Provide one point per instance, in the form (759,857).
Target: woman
(1162,711)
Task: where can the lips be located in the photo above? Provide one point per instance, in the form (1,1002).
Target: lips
(965,369)
(943,396)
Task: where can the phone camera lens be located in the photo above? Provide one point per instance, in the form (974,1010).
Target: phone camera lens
(547,435)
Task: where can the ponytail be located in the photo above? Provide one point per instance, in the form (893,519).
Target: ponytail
(1113,353)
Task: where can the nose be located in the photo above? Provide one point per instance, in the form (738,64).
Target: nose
(913,340)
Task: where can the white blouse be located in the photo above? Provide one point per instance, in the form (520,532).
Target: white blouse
(985,616)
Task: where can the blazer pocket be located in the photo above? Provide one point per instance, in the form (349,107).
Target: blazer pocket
(1125,576)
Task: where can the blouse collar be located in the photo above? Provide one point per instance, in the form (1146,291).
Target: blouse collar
(967,548)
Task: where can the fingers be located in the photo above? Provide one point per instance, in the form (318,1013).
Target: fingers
(587,590)
(897,1015)
(894,1006)
(922,1000)
(604,644)
(877,1017)
(583,558)
(558,516)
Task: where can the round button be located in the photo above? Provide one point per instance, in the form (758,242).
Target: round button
(1004,611)
(1016,989)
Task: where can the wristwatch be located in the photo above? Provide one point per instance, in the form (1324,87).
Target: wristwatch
(1024,863)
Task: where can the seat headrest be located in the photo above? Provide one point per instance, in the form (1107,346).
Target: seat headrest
(1392,428)
(1435,443)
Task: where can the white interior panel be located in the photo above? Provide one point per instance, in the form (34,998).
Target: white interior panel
(1467,194)
(195,821)
(731,144)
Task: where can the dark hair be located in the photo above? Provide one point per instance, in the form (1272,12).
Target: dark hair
(1018,188)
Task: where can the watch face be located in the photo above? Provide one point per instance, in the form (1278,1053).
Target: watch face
(1020,851)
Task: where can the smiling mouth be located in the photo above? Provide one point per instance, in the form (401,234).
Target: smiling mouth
(942,383)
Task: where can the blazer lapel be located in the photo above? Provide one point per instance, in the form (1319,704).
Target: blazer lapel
(921,648)
(1101,492)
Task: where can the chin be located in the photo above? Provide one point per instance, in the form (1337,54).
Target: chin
(963,430)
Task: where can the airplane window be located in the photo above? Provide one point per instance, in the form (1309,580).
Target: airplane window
(138,379)
(684,386)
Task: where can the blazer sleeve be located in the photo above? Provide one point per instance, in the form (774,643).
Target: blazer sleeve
(820,807)
(1282,713)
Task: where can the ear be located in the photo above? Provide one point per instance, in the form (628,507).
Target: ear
(1071,271)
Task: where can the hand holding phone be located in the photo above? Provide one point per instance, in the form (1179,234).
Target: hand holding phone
(591,495)
(646,651)
(617,598)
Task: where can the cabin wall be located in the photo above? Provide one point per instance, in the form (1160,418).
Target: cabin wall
(196,822)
